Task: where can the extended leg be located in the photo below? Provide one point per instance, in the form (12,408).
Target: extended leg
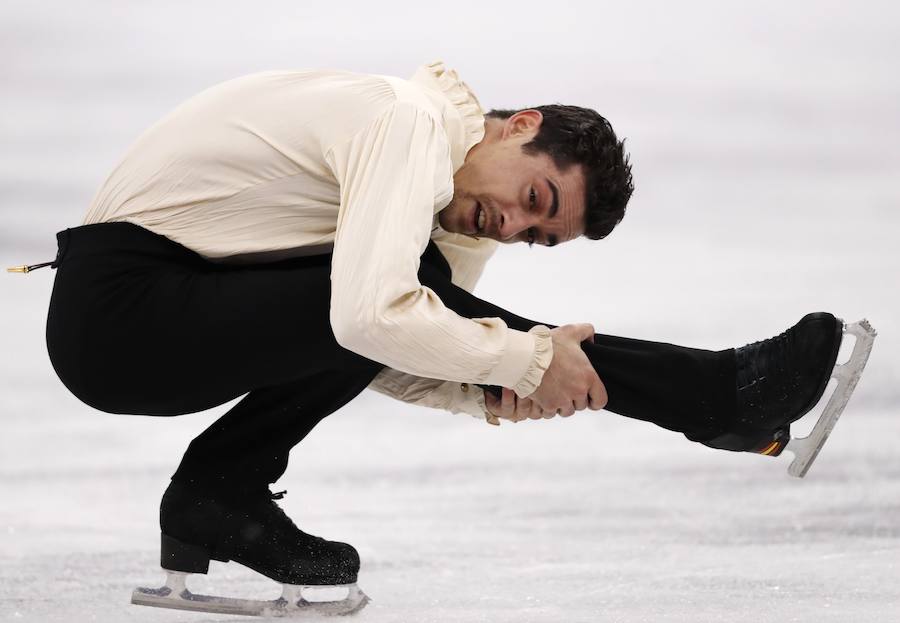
(740,399)
(682,389)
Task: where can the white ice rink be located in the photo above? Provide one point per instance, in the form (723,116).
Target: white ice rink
(766,150)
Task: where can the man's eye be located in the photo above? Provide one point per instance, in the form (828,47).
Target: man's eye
(532,199)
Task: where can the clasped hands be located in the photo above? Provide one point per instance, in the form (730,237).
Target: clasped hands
(569,384)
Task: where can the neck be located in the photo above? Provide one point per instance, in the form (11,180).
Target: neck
(493,128)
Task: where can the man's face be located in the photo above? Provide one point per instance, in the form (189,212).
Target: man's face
(524,198)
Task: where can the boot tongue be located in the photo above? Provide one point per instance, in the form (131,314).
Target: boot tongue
(761,362)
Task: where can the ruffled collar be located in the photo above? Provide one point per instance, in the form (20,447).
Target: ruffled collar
(468,129)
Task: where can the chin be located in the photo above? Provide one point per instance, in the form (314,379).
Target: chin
(449,219)
(442,218)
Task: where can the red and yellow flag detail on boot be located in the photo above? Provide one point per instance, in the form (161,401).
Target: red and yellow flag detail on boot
(771,448)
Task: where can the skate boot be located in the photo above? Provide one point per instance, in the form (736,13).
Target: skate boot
(781,379)
(252,530)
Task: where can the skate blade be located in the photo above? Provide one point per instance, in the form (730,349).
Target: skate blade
(174,594)
(806,449)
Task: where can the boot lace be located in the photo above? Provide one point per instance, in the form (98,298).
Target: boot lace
(283,516)
(758,360)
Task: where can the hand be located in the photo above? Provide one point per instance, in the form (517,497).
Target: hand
(511,407)
(570,383)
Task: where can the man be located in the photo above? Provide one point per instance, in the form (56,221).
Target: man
(300,236)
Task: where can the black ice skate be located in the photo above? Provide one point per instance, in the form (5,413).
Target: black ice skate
(251,530)
(781,379)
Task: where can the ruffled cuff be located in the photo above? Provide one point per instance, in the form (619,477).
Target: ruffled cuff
(469,399)
(480,403)
(543,354)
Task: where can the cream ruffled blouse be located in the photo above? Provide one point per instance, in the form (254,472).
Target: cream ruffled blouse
(289,163)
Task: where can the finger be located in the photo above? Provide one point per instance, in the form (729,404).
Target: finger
(500,410)
(492,403)
(585,331)
(597,395)
(569,412)
(508,402)
(523,408)
(535,412)
(536,400)
(581,403)
(518,413)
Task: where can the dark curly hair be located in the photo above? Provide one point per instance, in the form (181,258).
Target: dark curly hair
(574,135)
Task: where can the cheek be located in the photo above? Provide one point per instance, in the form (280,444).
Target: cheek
(462,184)
(477,178)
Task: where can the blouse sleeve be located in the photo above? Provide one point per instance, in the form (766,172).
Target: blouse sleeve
(392,174)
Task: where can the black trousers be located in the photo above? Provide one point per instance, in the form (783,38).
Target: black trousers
(139,324)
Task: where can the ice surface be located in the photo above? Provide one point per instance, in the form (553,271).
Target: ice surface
(765,145)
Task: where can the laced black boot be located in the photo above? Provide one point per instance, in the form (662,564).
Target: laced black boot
(250,529)
(780,380)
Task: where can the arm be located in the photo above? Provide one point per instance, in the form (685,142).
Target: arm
(433,393)
(392,173)
(467,258)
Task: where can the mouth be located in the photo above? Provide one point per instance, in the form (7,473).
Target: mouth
(476,216)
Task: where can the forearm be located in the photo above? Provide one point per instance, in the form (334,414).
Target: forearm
(431,393)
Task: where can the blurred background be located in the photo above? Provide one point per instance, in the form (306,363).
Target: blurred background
(765,141)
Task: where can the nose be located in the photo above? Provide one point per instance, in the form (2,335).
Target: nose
(514,221)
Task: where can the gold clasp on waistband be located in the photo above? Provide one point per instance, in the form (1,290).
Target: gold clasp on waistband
(25,268)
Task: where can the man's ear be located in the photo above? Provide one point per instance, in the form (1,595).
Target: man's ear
(524,122)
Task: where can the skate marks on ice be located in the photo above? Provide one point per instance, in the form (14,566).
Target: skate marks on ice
(292,603)
(847,374)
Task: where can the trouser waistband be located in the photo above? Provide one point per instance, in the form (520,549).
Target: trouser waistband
(116,237)
(120,238)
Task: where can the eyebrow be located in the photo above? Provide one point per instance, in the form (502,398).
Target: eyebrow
(554,208)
